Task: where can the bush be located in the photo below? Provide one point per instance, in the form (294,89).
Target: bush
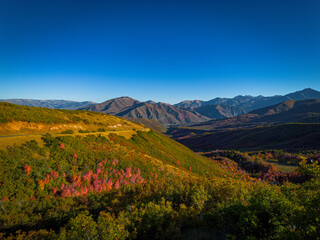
(101,130)
(81,227)
(110,227)
(83,131)
(67,132)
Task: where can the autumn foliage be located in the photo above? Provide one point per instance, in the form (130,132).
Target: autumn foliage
(150,187)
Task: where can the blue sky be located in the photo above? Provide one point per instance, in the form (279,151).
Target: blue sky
(167,51)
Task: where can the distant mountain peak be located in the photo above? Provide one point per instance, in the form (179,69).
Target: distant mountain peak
(151,102)
(122,98)
(309,90)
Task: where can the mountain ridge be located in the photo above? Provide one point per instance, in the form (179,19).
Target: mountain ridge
(164,113)
(293,124)
(250,103)
(183,113)
(54,104)
(305,111)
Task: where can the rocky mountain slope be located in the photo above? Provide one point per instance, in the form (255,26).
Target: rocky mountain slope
(164,113)
(220,111)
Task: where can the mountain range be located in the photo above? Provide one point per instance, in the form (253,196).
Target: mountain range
(293,124)
(249,103)
(184,113)
(165,113)
(196,111)
(302,111)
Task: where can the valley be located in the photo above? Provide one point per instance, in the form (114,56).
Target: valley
(159,120)
(181,114)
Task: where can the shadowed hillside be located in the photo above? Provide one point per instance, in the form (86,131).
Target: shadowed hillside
(220,111)
(292,137)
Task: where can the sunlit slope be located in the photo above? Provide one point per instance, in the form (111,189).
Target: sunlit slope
(16,119)
(69,166)
(66,157)
(101,185)
(95,171)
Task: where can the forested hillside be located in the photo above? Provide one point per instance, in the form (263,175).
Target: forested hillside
(101,185)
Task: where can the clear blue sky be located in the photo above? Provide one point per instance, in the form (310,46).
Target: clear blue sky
(162,50)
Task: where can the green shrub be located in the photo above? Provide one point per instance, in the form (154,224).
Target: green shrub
(83,131)
(67,132)
(111,228)
(101,130)
(82,227)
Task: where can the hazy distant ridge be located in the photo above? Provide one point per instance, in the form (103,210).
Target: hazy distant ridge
(55,104)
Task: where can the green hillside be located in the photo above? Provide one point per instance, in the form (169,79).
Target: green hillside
(101,185)
(16,119)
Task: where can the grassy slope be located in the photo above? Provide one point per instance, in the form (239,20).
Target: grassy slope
(143,149)
(283,166)
(16,119)
(157,157)
(23,123)
(153,124)
(19,120)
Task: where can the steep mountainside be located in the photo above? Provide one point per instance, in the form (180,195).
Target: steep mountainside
(191,104)
(164,113)
(56,104)
(113,106)
(220,111)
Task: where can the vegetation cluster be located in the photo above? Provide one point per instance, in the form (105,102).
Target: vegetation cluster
(147,187)
(96,186)
(258,168)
